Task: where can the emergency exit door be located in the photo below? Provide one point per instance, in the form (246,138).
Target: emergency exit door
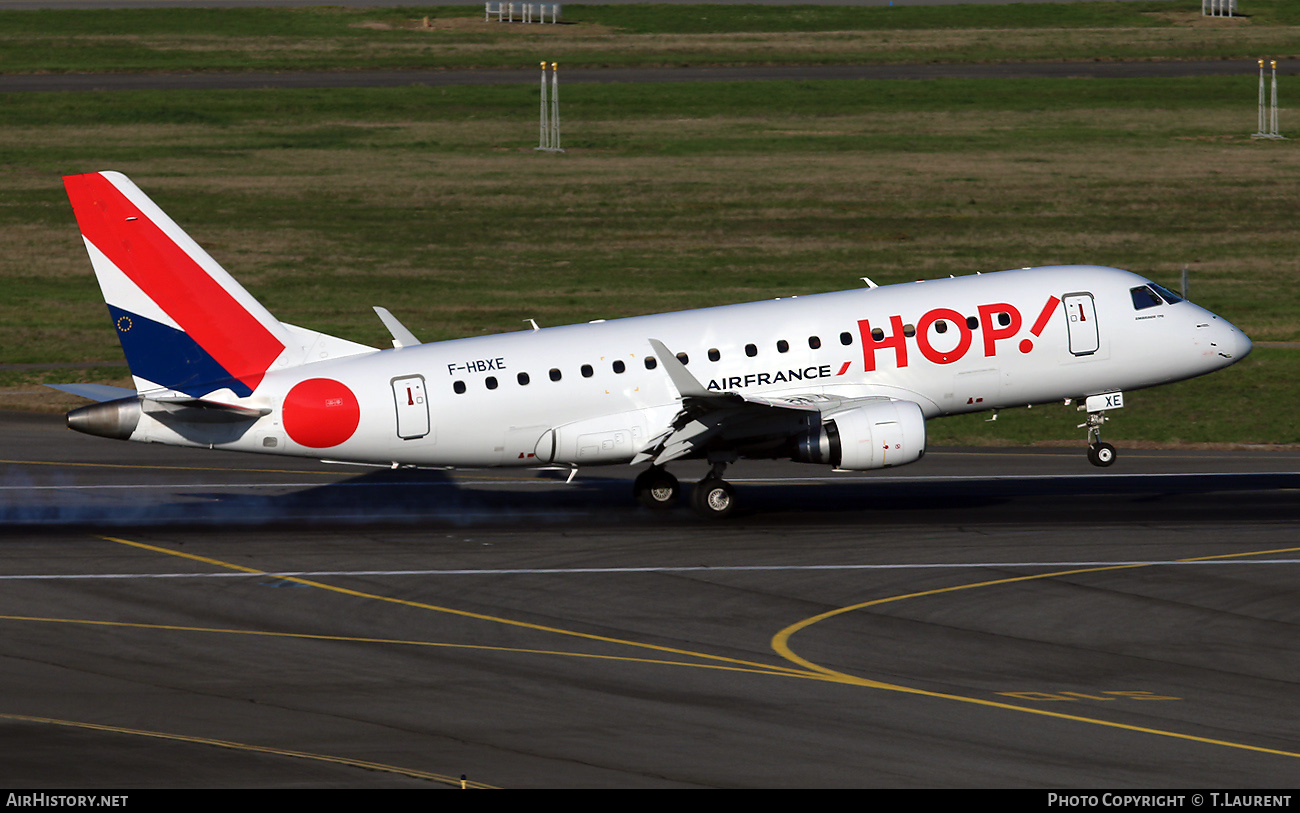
(412,404)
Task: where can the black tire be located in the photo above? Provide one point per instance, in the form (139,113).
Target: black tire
(656,488)
(1101,454)
(713,498)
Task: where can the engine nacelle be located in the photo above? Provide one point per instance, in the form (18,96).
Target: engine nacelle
(873,436)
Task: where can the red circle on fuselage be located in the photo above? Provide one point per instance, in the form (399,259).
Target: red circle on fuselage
(321,412)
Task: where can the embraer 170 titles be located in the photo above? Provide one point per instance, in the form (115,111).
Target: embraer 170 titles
(842,379)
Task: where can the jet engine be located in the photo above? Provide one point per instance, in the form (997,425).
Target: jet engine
(873,436)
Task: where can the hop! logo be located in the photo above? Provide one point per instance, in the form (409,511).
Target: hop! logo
(999,321)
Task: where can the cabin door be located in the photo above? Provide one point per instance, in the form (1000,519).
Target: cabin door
(1081,314)
(412,404)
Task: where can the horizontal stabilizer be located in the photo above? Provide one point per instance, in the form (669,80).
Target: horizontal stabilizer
(215,410)
(95,392)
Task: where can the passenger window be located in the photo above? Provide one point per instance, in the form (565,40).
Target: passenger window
(491,382)
(555,374)
(1004,319)
(459,387)
(972,322)
(1144,297)
(877,335)
(619,366)
(909,330)
(751,350)
(684,359)
(714,355)
(940,326)
(814,342)
(846,338)
(522,378)
(783,346)
(651,362)
(587,372)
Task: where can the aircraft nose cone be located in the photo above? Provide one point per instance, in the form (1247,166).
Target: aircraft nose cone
(1232,343)
(1240,343)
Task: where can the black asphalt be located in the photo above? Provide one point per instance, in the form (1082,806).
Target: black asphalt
(14,83)
(177,618)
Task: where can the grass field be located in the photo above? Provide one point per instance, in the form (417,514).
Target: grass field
(431,201)
(332,38)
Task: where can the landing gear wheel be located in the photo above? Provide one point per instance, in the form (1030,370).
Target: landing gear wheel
(1101,454)
(713,498)
(656,488)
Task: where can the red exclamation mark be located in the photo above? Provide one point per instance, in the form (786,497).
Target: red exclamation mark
(1040,323)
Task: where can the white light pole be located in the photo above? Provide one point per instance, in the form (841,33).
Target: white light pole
(544,127)
(549,126)
(1268,120)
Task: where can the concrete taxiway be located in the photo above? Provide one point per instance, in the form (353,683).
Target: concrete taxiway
(186,618)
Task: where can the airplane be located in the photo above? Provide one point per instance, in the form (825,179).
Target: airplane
(845,380)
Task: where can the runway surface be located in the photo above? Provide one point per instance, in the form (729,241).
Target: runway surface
(1007,618)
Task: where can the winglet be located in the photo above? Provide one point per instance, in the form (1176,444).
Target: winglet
(686,384)
(401,336)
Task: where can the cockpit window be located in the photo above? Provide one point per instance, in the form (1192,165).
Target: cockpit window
(1166,294)
(1144,297)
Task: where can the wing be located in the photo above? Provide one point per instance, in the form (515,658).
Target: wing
(724,424)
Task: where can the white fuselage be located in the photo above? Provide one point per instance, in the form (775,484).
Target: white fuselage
(1035,336)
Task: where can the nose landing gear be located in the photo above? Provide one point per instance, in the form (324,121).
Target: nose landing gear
(1099,453)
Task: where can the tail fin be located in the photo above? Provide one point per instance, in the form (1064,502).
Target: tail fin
(184,323)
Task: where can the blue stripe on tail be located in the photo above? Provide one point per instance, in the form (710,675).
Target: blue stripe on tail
(170,358)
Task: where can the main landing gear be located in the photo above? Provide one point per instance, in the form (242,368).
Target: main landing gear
(656,488)
(712,497)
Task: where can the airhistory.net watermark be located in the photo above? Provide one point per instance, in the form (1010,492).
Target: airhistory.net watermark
(62,800)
